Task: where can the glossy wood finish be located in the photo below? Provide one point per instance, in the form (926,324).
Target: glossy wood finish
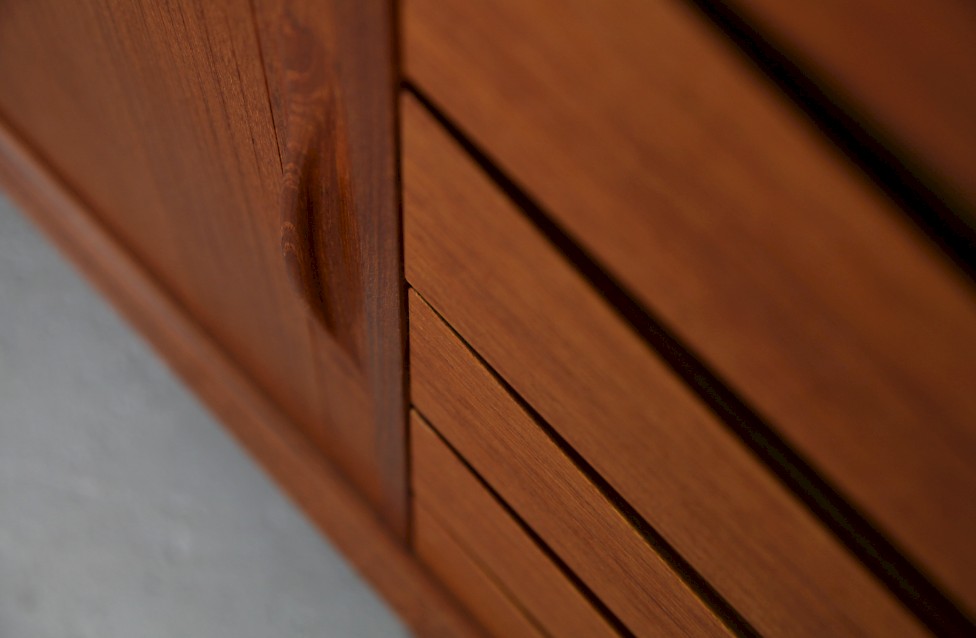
(659,149)
(488,602)
(901,63)
(295,462)
(497,281)
(443,486)
(159,116)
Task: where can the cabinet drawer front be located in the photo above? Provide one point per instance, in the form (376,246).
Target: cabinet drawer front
(536,322)
(483,597)
(724,212)
(529,471)
(448,495)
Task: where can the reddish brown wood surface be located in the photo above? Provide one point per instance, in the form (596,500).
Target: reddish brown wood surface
(909,68)
(532,317)
(545,488)
(488,602)
(452,494)
(158,114)
(295,462)
(718,205)
(331,80)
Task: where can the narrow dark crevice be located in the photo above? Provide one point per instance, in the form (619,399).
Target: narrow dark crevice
(861,537)
(267,82)
(941,214)
(729,616)
(566,571)
(462,543)
(396,66)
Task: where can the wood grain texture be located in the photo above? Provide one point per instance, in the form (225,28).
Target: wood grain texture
(484,268)
(443,486)
(294,461)
(332,86)
(717,205)
(488,602)
(158,115)
(545,488)
(900,63)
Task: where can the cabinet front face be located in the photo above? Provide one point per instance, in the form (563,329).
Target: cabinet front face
(158,116)
(677,365)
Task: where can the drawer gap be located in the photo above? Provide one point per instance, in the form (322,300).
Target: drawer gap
(946,219)
(476,561)
(566,571)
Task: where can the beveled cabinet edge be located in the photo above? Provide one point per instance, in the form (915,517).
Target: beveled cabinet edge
(326,497)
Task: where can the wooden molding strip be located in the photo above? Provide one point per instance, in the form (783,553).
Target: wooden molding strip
(324,495)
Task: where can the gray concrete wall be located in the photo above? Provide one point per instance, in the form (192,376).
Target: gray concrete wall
(125,510)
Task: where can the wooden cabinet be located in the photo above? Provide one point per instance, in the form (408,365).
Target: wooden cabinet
(680,293)
(159,119)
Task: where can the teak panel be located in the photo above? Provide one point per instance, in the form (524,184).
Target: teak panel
(485,599)
(442,485)
(522,307)
(158,116)
(908,67)
(716,203)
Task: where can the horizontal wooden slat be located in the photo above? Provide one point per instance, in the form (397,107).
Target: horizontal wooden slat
(482,265)
(720,207)
(901,63)
(491,536)
(487,602)
(158,115)
(560,504)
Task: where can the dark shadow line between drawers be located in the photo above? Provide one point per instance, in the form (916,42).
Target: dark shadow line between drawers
(565,569)
(396,48)
(944,216)
(722,609)
(857,533)
(470,553)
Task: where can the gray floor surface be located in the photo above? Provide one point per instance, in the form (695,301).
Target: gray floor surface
(125,510)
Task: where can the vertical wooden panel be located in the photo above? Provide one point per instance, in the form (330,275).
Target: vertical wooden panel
(332,82)
(158,116)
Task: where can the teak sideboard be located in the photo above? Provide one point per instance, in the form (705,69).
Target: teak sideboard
(578,318)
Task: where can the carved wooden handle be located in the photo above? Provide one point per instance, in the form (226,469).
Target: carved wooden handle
(320,235)
(299,246)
